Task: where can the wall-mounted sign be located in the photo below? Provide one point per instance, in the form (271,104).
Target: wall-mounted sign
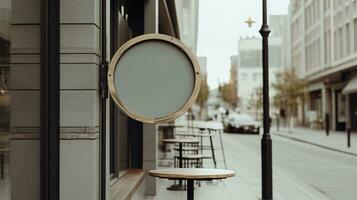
(154,78)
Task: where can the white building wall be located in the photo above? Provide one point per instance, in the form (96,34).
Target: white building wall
(324,49)
(323,36)
(250,75)
(187,17)
(203,64)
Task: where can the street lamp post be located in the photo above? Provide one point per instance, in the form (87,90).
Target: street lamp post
(266,142)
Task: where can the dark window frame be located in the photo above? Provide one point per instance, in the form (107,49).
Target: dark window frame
(134,128)
(50,99)
(113,137)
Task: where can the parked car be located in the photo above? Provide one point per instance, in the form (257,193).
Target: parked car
(241,123)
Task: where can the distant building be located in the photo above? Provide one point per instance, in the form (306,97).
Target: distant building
(215,105)
(324,51)
(249,61)
(250,73)
(280,28)
(187,18)
(214,99)
(203,64)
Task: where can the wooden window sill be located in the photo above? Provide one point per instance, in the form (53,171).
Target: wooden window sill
(126,186)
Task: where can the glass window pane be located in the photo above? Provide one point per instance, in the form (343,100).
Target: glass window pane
(19,99)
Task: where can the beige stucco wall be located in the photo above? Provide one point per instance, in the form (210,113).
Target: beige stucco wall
(79,99)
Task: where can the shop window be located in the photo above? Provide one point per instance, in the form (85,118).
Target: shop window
(119,154)
(119,141)
(20,106)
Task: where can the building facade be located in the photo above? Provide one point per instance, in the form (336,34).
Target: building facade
(61,136)
(250,71)
(201,113)
(324,51)
(187,20)
(202,60)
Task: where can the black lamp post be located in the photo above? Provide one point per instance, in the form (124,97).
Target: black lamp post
(266,142)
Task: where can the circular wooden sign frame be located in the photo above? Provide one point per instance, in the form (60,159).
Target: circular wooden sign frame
(154,37)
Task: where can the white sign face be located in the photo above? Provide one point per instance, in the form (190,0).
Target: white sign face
(154,78)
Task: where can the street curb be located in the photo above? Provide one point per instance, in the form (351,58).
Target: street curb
(315,144)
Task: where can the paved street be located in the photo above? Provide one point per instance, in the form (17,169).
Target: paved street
(301,171)
(331,173)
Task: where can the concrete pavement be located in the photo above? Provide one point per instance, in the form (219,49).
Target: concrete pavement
(336,141)
(247,183)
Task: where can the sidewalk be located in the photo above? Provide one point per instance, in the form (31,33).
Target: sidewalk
(336,141)
(246,185)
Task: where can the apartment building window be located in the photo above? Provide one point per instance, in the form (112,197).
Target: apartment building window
(255,76)
(348,39)
(317,9)
(308,58)
(307,17)
(318,53)
(326,5)
(341,43)
(244,76)
(336,43)
(327,47)
(275,57)
(355,34)
(251,58)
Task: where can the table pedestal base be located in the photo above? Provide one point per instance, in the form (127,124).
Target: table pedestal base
(177,187)
(190,189)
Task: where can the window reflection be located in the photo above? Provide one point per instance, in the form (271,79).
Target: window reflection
(4,99)
(19,99)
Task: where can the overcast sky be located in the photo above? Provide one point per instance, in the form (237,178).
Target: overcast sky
(221,24)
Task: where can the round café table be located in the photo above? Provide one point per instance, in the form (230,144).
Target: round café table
(192,174)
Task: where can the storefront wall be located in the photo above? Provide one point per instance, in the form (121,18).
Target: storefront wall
(80,122)
(315,106)
(353,111)
(79,97)
(350,91)
(327,99)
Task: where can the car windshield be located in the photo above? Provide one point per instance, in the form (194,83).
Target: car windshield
(241,118)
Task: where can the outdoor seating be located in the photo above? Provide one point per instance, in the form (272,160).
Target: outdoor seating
(191,161)
(187,150)
(191,175)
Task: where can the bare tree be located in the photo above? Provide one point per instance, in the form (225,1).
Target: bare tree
(229,94)
(202,96)
(290,90)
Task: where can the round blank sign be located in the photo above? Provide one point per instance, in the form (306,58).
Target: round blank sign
(154,78)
